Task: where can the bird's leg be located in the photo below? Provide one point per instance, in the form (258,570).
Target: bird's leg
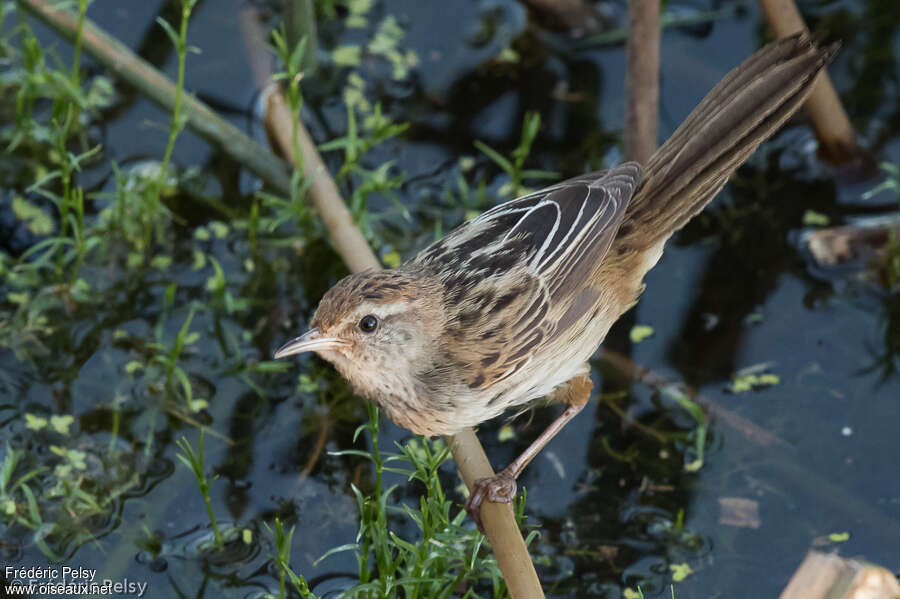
(501,488)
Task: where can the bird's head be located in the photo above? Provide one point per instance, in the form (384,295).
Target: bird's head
(378,329)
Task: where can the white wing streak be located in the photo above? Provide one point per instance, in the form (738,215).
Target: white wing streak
(562,251)
(537,264)
(556,219)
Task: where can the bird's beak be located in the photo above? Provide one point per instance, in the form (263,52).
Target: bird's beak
(312,340)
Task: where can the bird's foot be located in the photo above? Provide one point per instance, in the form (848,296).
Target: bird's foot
(500,488)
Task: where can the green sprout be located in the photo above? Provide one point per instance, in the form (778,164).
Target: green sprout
(282,559)
(514,168)
(194,461)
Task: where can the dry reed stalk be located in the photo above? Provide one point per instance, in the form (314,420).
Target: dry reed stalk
(642,80)
(833,129)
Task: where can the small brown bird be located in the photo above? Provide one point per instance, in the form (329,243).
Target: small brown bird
(508,307)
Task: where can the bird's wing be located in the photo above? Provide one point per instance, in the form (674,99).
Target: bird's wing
(503,270)
(558,234)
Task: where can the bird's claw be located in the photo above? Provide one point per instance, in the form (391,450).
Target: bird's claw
(500,488)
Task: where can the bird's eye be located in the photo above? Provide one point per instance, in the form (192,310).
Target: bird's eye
(368,324)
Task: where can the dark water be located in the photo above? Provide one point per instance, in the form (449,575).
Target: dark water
(615,504)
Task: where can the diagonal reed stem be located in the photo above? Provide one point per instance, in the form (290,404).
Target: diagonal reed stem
(833,128)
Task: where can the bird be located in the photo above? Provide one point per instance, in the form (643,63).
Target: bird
(508,307)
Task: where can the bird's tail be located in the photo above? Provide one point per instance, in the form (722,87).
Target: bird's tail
(745,108)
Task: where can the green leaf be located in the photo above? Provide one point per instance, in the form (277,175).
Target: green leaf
(272,366)
(306,384)
(680,571)
(392,259)
(347,56)
(754,317)
(539,174)
(338,549)
(769,379)
(494,155)
(184,460)
(18,298)
(35,423)
(811,218)
(839,537)
(133,366)
(36,220)
(199,260)
(173,36)
(747,382)
(186,387)
(639,332)
(355,452)
(33,510)
(296,59)
(161,262)
(694,466)
(61,424)
(300,33)
(219,229)
(508,55)
(76,458)
(182,334)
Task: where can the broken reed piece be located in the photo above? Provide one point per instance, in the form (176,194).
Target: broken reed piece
(642,80)
(828,576)
(860,239)
(837,140)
